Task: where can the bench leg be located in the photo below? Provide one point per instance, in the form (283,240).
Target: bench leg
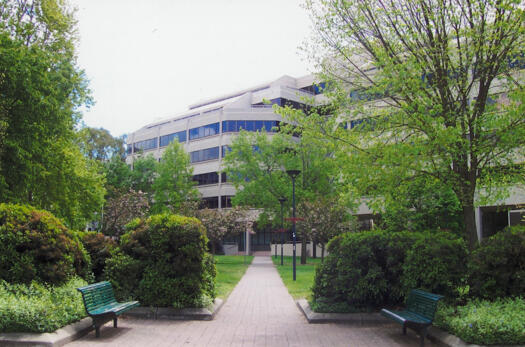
(115,322)
(97,331)
(404,329)
(423,333)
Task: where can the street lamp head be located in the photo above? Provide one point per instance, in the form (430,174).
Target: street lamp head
(293,173)
(282,200)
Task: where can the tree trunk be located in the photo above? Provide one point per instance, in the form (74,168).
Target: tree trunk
(213,248)
(303,251)
(322,253)
(314,250)
(469,218)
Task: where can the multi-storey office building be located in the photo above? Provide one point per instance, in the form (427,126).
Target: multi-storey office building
(207,128)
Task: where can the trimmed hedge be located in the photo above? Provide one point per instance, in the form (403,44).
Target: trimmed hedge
(40,308)
(35,245)
(497,266)
(163,262)
(374,269)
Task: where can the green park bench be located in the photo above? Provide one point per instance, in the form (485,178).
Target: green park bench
(419,313)
(101,305)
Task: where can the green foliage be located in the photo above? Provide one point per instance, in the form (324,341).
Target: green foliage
(170,251)
(173,185)
(125,273)
(99,248)
(39,308)
(497,266)
(35,245)
(433,98)
(41,89)
(436,263)
(419,204)
(98,144)
(483,322)
(257,164)
(374,269)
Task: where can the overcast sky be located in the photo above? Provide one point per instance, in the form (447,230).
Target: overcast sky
(150,59)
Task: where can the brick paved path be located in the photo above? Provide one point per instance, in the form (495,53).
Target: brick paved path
(259,312)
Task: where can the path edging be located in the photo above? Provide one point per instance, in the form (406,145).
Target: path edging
(355,318)
(57,338)
(435,334)
(78,329)
(167,313)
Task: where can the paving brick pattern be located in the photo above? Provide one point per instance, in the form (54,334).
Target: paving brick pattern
(259,312)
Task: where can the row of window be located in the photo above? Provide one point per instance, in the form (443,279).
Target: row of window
(209,178)
(205,131)
(249,125)
(213,202)
(204,154)
(167,139)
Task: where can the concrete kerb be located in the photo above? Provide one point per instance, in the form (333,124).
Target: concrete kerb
(435,334)
(58,338)
(167,313)
(351,318)
(78,329)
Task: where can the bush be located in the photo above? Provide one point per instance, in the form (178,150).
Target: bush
(374,269)
(99,248)
(35,245)
(171,251)
(497,266)
(125,273)
(484,322)
(436,263)
(40,308)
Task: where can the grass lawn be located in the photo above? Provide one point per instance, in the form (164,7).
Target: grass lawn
(230,269)
(301,288)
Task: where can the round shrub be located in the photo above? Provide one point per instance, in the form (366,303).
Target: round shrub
(497,266)
(171,250)
(436,263)
(125,274)
(99,248)
(35,245)
(373,269)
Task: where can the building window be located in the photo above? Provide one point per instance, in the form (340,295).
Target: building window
(206,178)
(249,125)
(224,150)
(204,154)
(226,201)
(223,177)
(211,202)
(204,131)
(129,148)
(145,145)
(167,139)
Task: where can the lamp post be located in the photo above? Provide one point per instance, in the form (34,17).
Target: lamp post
(281,201)
(293,175)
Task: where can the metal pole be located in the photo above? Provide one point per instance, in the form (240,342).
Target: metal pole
(293,225)
(282,229)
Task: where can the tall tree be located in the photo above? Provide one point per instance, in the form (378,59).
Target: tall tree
(257,167)
(430,87)
(99,144)
(173,185)
(41,89)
